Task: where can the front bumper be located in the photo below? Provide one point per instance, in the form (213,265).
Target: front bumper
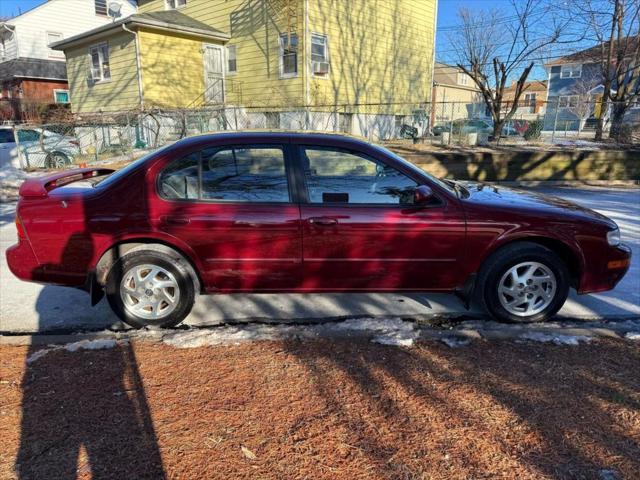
(605,272)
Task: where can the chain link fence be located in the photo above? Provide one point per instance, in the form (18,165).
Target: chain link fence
(123,136)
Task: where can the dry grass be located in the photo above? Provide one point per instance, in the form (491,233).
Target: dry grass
(326,409)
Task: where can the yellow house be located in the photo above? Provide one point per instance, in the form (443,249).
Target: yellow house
(327,64)
(455,95)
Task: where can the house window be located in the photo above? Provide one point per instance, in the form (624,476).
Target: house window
(100,62)
(463,79)
(319,55)
(232,59)
(61,96)
(568,101)
(288,55)
(173,4)
(571,71)
(100,7)
(53,37)
(530,99)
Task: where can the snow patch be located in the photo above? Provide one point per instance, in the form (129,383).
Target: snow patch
(455,342)
(97,344)
(555,338)
(387,332)
(632,336)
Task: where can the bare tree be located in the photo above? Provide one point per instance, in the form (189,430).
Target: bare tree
(615,26)
(493,49)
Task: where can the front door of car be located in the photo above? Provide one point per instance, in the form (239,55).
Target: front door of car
(233,206)
(362,230)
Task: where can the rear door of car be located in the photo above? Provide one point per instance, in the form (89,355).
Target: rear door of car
(361,230)
(234,206)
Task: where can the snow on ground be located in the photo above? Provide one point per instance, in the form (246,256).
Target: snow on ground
(98,344)
(392,331)
(556,338)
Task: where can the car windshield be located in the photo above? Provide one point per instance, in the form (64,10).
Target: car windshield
(441,183)
(123,172)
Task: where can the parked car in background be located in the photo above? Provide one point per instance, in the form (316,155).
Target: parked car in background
(38,148)
(296,212)
(463,126)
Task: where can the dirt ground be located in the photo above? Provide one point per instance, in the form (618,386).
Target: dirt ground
(324,409)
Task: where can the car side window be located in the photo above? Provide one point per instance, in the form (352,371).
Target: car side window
(6,136)
(179,180)
(229,174)
(245,174)
(28,135)
(337,176)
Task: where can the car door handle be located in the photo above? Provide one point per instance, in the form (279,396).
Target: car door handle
(175,221)
(323,221)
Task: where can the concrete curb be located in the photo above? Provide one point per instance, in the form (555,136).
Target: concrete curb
(465,332)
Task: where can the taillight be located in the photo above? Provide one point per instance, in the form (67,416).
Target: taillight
(20,228)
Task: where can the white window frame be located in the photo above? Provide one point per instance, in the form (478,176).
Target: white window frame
(235,52)
(463,79)
(174,4)
(53,53)
(573,70)
(567,100)
(55,92)
(283,75)
(325,37)
(99,48)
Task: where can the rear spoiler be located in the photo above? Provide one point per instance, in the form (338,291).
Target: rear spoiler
(39,187)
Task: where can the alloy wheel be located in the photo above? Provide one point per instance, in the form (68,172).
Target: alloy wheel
(149,291)
(527,289)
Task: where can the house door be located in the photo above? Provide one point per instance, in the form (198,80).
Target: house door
(213,74)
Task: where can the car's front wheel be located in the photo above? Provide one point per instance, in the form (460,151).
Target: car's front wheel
(524,282)
(144,288)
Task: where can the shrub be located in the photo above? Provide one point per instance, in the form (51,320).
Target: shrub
(534,131)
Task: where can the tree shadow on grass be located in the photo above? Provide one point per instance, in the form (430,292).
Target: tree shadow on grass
(544,410)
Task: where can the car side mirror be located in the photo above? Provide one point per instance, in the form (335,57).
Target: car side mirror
(422,195)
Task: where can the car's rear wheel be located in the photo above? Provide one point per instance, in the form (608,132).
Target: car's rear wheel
(145,288)
(524,282)
(56,160)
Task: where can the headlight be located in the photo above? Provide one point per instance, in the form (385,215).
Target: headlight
(613,237)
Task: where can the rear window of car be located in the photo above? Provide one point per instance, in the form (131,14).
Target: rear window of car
(6,136)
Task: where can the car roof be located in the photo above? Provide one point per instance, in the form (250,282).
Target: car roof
(226,137)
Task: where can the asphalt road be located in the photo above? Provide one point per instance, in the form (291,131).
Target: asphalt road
(27,307)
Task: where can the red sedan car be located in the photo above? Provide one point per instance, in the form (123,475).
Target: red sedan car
(296,212)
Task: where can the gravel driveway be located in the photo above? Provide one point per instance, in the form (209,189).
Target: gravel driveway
(27,307)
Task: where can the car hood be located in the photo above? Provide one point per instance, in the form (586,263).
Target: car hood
(488,195)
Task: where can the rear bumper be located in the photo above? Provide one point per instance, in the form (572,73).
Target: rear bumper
(22,261)
(604,273)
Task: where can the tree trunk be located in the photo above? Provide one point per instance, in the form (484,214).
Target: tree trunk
(497,130)
(617,121)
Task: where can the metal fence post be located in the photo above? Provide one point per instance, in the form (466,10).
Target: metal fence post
(451,123)
(555,120)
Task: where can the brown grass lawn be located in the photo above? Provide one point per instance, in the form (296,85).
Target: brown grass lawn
(325,409)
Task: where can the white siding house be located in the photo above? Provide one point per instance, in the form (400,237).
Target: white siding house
(28,35)
(32,75)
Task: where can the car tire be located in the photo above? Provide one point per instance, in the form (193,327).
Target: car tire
(523,282)
(56,160)
(142,301)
